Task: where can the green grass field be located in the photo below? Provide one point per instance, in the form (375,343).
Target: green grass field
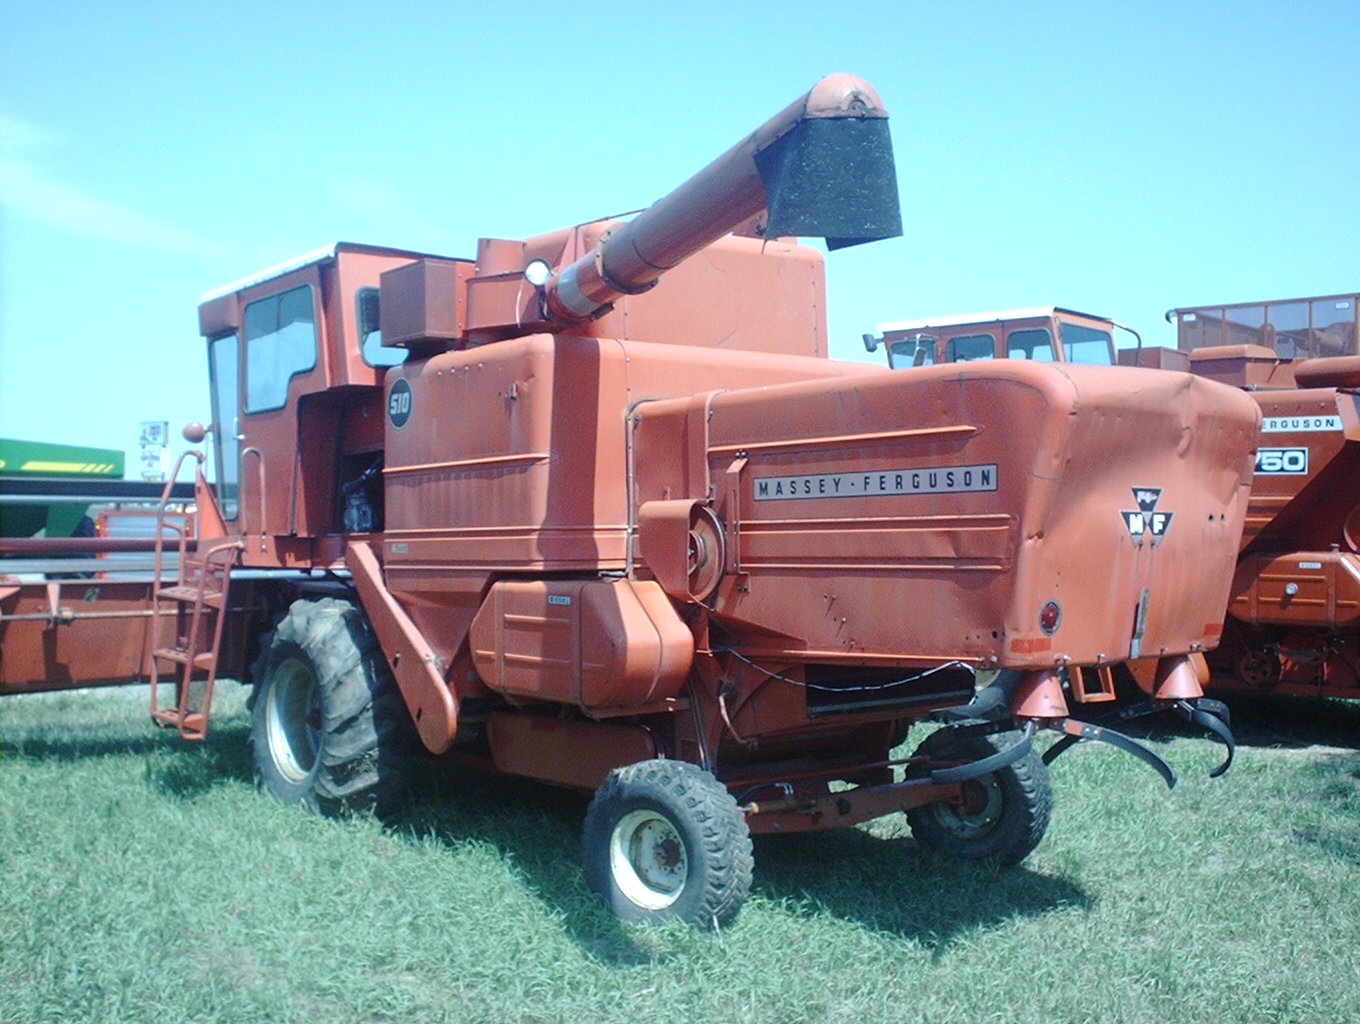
(142,879)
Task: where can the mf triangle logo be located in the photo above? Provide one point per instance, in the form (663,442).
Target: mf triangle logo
(1146,521)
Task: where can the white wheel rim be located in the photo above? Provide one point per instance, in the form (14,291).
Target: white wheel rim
(291,718)
(648,860)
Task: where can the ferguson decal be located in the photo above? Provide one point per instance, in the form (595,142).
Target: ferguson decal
(1299,424)
(1147,521)
(888,483)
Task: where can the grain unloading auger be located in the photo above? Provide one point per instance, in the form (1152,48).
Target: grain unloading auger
(588,511)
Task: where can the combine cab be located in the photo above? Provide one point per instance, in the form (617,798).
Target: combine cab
(1045,334)
(594,508)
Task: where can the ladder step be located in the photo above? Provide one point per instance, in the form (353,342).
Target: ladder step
(190,595)
(193,725)
(179,656)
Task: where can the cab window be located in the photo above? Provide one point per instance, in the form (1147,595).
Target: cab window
(1086,345)
(1034,343)
(918,351)
(280,340)
(968,347)
(370,335)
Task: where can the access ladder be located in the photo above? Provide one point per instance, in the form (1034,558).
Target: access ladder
(199,598)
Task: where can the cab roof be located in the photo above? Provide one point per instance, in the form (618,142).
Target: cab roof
(959,319)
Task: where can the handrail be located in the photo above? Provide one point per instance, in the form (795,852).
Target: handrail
(161,524)
(259,473)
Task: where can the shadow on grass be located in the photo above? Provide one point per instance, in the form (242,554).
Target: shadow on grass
(1333,791)
(186,770)
(1258,720)
(173,766)
(79,748)
(892,886)
(1276,720)
(899,887)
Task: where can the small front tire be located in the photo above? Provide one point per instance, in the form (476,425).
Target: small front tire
(1001,816)
(664,839)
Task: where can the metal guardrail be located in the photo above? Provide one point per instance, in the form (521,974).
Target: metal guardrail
(49,490)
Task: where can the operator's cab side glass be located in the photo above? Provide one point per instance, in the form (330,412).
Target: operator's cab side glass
(1087,345)
(911,352)
(280,340)
(1033,343)
(225,381)
(370,332)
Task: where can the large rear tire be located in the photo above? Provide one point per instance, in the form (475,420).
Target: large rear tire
(1002,815)
(666,840)
(329,729)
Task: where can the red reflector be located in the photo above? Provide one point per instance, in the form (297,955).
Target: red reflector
(1049,617)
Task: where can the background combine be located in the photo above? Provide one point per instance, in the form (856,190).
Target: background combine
(587,510)
(1294,617)
(1294,613)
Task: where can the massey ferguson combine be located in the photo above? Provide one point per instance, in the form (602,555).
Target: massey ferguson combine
(1294,613)
(594,508)
(1294,617)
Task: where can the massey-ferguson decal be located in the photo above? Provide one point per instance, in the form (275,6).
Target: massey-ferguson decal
(1299,424)
(1146,521)
(893,482)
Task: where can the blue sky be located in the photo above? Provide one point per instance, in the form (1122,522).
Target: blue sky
(1121,161)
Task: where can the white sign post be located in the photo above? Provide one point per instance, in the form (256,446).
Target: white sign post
(155,454)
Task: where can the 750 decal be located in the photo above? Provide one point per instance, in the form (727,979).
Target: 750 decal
(1282,461)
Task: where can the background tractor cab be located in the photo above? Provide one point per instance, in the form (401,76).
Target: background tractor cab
(1047,334)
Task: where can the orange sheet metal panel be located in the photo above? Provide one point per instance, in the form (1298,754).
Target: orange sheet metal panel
(1303,435)
(513,457)
(1302,588)
(564,752)
(933,514)
(98,634)
(595,643)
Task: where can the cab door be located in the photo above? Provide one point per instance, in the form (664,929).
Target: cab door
(279,355)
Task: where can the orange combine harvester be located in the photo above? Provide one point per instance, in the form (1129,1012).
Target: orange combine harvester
(594,508)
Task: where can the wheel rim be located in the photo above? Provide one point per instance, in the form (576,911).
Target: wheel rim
(293,716)
(648,860)
(1259,669)
(976,813)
